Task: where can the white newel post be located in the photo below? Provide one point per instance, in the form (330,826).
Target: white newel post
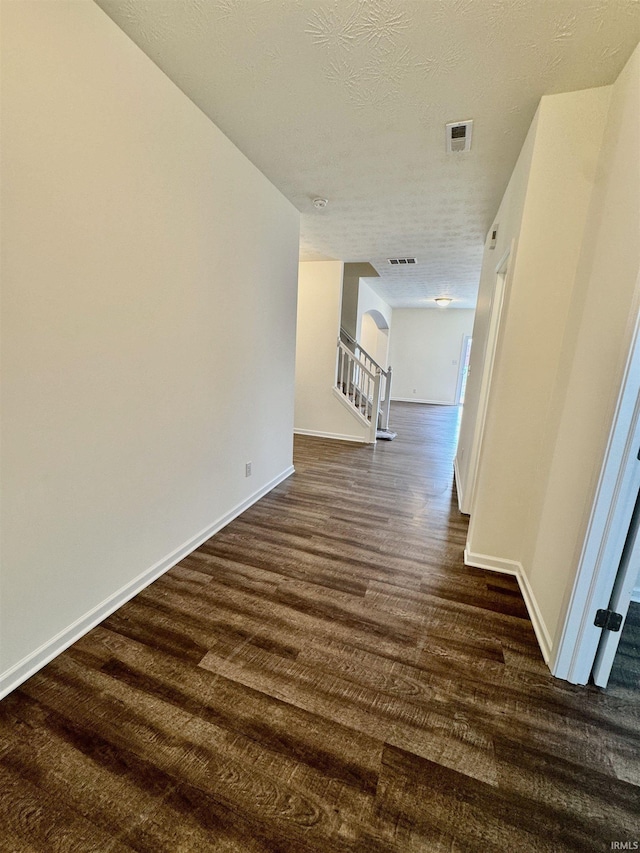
(375,408)
(387,401)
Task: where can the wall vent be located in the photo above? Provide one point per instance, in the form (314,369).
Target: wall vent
(401,262)
(459,136)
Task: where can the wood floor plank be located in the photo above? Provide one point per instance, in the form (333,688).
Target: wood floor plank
(325,674)
(430,802)
(340,753)
(33,819)
(50,749)
(429,732)
(233,773)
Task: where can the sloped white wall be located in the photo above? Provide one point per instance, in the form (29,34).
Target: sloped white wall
(148,326)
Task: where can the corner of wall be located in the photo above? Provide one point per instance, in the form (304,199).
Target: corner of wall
(513,567)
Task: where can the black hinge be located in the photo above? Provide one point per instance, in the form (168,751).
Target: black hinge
(608,619)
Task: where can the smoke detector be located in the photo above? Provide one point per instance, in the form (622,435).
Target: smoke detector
(459,136)
(320,203)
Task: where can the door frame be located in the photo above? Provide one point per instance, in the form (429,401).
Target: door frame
(463,354)
(620,600)
(607,528)
(504,272)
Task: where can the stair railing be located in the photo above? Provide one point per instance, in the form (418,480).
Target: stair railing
(364,358)
(359,385)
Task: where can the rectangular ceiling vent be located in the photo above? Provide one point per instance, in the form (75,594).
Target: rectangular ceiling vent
(401,262)
(459,136)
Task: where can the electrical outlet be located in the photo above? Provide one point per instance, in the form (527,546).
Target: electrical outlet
(247,469)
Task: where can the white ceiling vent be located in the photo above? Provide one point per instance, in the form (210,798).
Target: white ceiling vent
(459,136)
(401,262)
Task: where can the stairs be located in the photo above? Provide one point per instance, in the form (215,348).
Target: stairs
(364,386)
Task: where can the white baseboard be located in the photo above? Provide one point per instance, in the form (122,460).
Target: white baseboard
(635,595)
(420,400)
(493,564)
(333,435)
(512,567)
(456,477)
(34,661)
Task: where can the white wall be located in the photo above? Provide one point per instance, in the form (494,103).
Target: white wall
(425,351)
(560,181)
(351,276)
(372,339)
(317,409)
(601,316)
(508,220)
(562,347)
(369,300)
(371,335)
(148,326)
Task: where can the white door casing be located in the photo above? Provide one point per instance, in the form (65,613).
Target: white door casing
(503,279)
(607,531)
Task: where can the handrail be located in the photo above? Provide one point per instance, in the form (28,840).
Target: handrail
(360,386)
(345,334)
(361,365)
(361,370)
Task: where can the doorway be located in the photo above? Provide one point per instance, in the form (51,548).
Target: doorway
(625,672)
(487,361)
(374,337)
(464,369)
(609,562)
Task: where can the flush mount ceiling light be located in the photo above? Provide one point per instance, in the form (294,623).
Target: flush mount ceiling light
(320,203)
(443,301)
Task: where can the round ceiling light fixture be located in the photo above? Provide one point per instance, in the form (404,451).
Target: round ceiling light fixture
(443,301)
(320,203)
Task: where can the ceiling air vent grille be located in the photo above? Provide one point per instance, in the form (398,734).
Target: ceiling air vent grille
(401,262)
(459,136)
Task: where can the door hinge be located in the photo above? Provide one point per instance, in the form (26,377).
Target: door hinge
(608,619)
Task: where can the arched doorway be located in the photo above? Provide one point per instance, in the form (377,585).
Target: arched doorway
(374,337)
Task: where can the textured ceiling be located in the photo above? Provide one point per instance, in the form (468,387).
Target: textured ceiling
(348,100)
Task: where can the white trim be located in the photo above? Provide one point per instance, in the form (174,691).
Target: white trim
(465,338)
(513,567)
(539,626)
(492,564)
(352,409)
(420,400)
(608,523)
(34,661)
(504,276)
(456,477)
(332,435)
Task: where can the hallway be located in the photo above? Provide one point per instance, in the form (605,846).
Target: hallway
(324,674)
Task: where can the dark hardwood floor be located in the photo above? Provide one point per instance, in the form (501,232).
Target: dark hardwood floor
(626,667)
(323,675)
